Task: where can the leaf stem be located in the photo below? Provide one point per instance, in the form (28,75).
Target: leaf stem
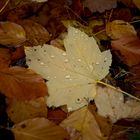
(110,86)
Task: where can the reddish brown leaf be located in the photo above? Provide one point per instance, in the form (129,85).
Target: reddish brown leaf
(56,115)
(36,33)
(129,47)
(18,53)
(21,84)
(5,58)
(77,7)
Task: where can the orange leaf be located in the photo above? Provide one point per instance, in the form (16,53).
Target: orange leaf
(11,34)
(129,47)
(22,110)
(39,129)
(22,84)
(4,58)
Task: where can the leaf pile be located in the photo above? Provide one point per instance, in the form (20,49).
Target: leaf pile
(69,69)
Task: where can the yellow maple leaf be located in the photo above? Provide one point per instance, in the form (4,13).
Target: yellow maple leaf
(71,75)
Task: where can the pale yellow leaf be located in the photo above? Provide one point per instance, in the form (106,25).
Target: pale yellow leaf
(38,129)
(83,121)
(71,75)
(110,103)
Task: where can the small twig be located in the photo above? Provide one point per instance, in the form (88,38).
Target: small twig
(99,32)
(119,90)
(111,13)
(6,3)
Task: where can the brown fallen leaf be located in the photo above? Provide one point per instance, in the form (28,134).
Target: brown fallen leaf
(110,103)
(21,84)
(19,111)
(11,34)
(36,33)
(5,58)
(39,129)
(119,28)
(100,5)
(83,121)
(129,48)
(137,3)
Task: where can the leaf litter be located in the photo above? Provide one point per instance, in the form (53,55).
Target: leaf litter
(40,23)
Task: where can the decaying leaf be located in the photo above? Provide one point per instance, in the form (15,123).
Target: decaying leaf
(38,129)
(100,5)
(83,121)
(119,28)
(36,33)
(19,111)
(72,74)
(129,48)
(22,84)
(11,34)
(5,58)
(110,103)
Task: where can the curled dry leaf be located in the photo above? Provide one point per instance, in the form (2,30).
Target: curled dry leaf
(83,121)
(39,129)
(100,5)
(36,33)
(129,48)
(119,28)
(110,103)
(19,111)
(22,84)
(71,75)
(5,58)
(11,34)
